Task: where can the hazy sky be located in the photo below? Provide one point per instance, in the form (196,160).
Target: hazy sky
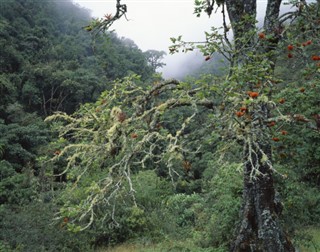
(151,23)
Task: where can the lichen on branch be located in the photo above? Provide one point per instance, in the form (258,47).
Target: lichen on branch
(121,133)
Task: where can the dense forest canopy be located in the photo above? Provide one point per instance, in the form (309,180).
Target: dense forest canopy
(97,149)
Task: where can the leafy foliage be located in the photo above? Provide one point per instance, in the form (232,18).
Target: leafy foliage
(35,220)
(47,63)
(150,160)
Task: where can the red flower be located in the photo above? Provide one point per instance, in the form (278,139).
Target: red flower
(108,16)
(315,57)
(134,135)
(290,55)
(271,124)
(239,113)
(276,139)
(243,109)
(290,47)
(57,152)
(253,94)
(284,132)
(309,42)
(262,35)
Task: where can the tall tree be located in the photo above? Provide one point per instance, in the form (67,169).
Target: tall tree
(154,58)
(260,228)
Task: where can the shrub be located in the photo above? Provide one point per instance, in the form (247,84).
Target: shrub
(223,201)
(30,228)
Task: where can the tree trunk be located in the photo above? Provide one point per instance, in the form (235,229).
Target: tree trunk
(238,12)
(260,230)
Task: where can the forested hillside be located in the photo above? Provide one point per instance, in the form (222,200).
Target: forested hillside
(48,63)
(98,151)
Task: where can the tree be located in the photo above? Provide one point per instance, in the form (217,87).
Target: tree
(124,129)
(154,58)
(260,229)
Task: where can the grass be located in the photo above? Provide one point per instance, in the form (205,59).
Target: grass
(188,246)
(314,245)
(167,246)
(121,248)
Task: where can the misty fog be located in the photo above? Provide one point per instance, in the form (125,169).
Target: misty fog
(150,24)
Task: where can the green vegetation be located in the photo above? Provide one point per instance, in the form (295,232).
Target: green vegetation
(99,153)
(314,237)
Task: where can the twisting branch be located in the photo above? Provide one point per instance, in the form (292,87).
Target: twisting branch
(103,24)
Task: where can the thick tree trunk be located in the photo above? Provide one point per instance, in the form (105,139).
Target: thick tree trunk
(239,11)
(260,230)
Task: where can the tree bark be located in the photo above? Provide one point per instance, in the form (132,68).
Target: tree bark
(238,12)
(260,229)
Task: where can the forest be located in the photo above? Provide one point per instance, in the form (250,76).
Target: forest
(98,152)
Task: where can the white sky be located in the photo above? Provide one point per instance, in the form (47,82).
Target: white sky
(152,23)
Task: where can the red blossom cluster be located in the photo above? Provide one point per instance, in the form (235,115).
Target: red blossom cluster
(309,42)
(242,111)
(290,47)
(315,57)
